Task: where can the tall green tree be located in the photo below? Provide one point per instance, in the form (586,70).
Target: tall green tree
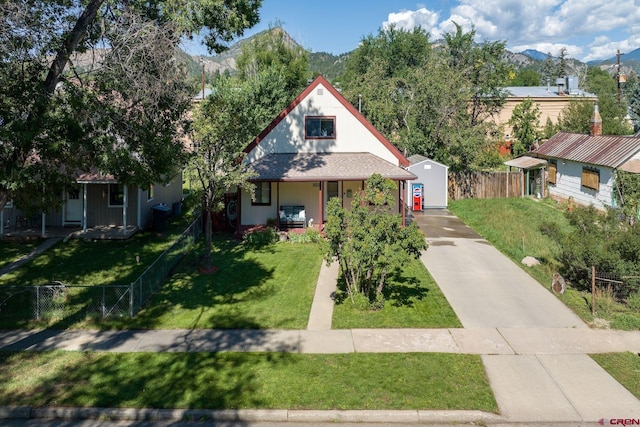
(239,108)
(576,116)
(274,50)
(525,122)
(369,244)
(404,87)
(68,103)
(526,77)
(484,71)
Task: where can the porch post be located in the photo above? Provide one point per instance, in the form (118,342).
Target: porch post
(278,204)
(84,208)
(239,201)
(401,185)
(2,222)
(125,200)
(42,224)
(320,207)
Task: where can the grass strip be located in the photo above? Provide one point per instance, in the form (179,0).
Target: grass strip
(245,380)
(624,367)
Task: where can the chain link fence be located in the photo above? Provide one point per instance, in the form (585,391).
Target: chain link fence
(56,300)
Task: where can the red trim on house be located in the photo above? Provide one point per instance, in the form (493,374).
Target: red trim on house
(402,160)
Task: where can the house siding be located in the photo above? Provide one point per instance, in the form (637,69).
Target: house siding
(569,187)
(352,136)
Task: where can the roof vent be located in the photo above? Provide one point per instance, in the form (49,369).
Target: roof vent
(320,91)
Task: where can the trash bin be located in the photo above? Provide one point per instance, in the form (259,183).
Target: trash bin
(160,216)
(177,208)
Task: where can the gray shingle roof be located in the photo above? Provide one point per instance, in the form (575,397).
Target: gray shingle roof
(325,167)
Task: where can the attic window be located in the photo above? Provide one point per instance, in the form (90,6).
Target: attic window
(591,178)
(320,127)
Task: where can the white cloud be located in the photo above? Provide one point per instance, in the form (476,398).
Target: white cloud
(409,19)
(545,25)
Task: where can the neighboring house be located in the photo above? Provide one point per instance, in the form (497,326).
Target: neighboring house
(430,190)
(550,99)
(317,148)
(582,167)
(98,200)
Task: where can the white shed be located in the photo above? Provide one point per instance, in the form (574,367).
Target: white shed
(431,184)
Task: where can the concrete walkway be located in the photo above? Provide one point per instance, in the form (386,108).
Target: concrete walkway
(25,258)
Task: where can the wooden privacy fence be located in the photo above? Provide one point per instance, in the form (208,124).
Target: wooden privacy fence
(485,185)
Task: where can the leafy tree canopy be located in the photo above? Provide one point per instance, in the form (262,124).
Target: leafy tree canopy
(427,100)
(94,84)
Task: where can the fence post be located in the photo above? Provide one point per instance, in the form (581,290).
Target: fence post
(593,290)
(37,302)
(131,300)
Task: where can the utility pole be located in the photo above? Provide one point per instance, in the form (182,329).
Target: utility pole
(618,79)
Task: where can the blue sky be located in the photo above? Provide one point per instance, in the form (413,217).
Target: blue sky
(588,29)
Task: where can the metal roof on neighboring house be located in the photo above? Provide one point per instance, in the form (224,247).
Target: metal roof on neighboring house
(545,92)
(602,150)
(305,167)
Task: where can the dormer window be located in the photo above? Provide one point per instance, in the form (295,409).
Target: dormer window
(320,127)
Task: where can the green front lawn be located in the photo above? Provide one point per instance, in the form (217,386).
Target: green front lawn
(412,300)
(95,262)
(245,380)
(268,288)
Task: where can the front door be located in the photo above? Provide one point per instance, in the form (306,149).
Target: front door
(73,206)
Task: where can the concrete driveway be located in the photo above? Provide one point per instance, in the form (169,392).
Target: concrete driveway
(484,287)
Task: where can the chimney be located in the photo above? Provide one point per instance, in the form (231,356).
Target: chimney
(595,122)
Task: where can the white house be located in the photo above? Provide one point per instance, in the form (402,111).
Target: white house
(317,148)
(582,167)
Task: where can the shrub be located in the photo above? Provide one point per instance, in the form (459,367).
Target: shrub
(260,238)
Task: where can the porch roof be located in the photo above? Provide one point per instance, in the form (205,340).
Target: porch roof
(325,167)
(526,162)
(95,177)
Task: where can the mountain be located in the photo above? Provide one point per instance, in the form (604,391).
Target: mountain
(630,62)
(534,54)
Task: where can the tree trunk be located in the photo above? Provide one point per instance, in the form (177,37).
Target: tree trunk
(70,44)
